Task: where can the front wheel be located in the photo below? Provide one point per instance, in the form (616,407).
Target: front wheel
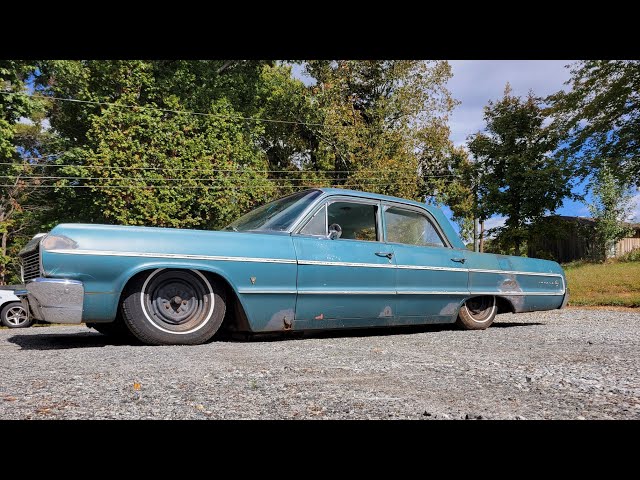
(14,315)
(173,307)
(116,329)
(477,313)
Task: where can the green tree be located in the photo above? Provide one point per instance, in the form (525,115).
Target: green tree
(519,177)
(138,159)
(609,208)
(19,137)
(384,124)
(600,116)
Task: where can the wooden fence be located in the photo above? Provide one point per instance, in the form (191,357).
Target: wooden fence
(627,244)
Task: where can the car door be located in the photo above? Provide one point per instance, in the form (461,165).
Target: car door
(431,279)
(346,280)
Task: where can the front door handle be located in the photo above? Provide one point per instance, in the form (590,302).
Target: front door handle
(389,255)
(459,260)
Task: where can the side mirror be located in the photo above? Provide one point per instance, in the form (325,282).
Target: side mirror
(335,231)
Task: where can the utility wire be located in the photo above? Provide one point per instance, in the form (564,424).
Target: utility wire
(179,112)
(369,180)
(116,167)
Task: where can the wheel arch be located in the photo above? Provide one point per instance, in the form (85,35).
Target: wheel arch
(504,304)
(235,316)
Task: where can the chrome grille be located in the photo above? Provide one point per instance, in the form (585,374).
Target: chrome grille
(31,265)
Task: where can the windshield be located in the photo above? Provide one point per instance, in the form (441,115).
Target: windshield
(278,215)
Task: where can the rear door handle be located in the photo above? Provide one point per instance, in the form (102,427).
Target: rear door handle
(459,260)
(389,255)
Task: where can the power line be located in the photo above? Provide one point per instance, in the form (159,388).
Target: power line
(228,178)
(203,187)
(192,169)
(167,110)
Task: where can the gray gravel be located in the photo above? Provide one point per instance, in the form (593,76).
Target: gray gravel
(568,364)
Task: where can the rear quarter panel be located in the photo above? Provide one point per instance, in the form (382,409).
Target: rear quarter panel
(528,283)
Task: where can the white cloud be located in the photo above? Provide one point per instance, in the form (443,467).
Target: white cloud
(475,82)
(634,215)
(494,222)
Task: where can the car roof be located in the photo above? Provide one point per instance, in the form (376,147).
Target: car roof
(444,223)
(377,196)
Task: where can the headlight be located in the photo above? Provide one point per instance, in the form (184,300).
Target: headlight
(58,242)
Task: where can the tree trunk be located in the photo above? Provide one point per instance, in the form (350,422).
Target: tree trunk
(3,252)
(482,236)
(475,235)
(516,244)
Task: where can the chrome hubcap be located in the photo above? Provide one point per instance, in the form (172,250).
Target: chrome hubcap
(16,316)
(177,300)
(480,308)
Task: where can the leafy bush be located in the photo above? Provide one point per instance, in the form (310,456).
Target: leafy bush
(632,256)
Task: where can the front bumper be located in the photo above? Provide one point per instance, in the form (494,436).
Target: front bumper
(54,300)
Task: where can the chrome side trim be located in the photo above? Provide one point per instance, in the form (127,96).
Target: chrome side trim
(271,291)
(417,292)
(346,264)
(346,292)
(320,263)
(423,267)
(171,255)
(429,292)
(512,294)
(514,272)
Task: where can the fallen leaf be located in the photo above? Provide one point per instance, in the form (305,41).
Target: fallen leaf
(10,399)
(136,386)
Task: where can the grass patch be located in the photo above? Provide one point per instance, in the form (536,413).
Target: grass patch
(612,283)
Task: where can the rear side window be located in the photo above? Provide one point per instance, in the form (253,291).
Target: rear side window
(411,228)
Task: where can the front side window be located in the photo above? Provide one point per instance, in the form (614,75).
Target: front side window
(357,220)
(317,225)
(411,228)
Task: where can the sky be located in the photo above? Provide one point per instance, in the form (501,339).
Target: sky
(475,82)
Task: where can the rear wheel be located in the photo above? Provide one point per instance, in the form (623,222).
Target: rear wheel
(173,307)
(14,315)
(477,313)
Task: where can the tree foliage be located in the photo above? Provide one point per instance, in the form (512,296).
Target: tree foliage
(600,116)
(18,200)
(384,123)
(139,160)
(139,156)
(609,208)
(517,174)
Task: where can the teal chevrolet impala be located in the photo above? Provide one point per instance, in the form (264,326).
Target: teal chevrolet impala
(318,259)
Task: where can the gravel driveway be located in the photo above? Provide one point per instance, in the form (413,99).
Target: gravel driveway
(561,364)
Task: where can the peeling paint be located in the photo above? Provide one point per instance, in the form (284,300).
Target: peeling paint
(280,320)
(449,309)
(319,317)
(511,284)
(386,312)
